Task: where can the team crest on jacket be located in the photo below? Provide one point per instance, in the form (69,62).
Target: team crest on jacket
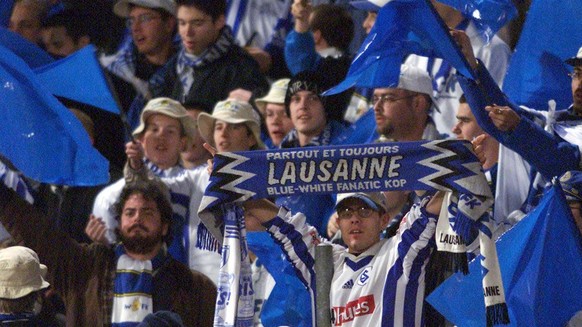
(364,276)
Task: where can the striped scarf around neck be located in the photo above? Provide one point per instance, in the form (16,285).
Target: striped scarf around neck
(188,62)
(133,287)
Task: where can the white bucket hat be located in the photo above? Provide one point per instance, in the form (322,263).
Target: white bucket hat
(122,7)
(276,94)
(21,273)
(171,108)
(233,112)
(416,80)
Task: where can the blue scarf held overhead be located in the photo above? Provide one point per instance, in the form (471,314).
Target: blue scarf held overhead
(436,165)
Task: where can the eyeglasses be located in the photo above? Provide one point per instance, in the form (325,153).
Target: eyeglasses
(380,100)
(141,19)
(347,213)
(576,75)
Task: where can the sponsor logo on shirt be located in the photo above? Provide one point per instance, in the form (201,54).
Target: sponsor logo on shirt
(365,305)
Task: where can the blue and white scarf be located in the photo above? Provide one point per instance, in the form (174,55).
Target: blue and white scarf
(442,165)
(235,305)
(188,62)
(132,291)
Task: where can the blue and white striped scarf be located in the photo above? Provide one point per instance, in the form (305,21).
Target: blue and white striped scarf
(132,292)
(187,62)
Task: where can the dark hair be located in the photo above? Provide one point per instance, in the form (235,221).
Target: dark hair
(75,23)
(213,8)
(335,24)
(153,190)
(21,304)
(462,99)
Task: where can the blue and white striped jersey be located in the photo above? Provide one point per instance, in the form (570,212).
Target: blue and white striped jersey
(384,286)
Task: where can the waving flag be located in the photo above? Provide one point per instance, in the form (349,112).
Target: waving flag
(488,15)
(541,265)
(40,136)
(5,12)
(537,72)
(402,27)
(79,77)
(31,53)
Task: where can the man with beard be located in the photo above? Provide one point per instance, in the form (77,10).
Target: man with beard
(165,131)
(120,285)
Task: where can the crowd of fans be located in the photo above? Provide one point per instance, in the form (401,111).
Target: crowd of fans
(243,76)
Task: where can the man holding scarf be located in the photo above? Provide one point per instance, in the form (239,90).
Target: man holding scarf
(209,64)
(119,286)
(375,282)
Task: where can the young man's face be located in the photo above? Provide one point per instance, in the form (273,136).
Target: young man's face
(163,140)
(307,113)
(277,121)
(577,89)
(25,21)
(232,137)
(197,29)
(151,34)
(141,227)
(466,127)
(394,112)
(369,21)
(57,42)
(358,232)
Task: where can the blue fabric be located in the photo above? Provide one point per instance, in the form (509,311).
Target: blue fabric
(300,52)
(540,266)
(41,137)
(402,27)
(31,53)
(79,77)
(537,72)
(5,12)
(527,138)
(289,302)
(488,15)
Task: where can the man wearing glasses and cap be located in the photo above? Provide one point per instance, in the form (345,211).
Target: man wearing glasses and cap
(375,281)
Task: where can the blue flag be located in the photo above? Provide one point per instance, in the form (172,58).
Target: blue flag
(537,72)
(79,77)
(541,265)
(488,15)
(402,27)
(289,303)
(5,12)
(31,53)
(40,136)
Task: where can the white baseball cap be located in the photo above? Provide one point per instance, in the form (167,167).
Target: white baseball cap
(122,7)
(375,200)
(276,94)
(575,61)
(417,80)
